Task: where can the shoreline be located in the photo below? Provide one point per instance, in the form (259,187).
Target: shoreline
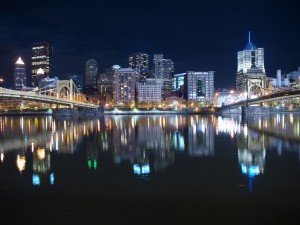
(74,112)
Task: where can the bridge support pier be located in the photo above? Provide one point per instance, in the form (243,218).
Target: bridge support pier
(66,112)
(244,114)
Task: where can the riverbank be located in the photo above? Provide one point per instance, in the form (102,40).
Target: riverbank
(74,112)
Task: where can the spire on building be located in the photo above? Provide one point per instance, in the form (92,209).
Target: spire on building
(249,37)
(20,62)
(250,45)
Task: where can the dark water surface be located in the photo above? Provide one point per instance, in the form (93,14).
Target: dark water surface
(170,169)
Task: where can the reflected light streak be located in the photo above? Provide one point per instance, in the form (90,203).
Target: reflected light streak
(245,130)
(2,156)
(52,178)
(51,142)
(56,141)
(21,163)
(22,124)
(291,118)
(36,180)
(53,127)
(227,126)
(41,153)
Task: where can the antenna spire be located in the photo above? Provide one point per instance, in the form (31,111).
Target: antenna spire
(249,36)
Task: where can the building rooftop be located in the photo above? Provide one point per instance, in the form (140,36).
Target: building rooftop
(20,62)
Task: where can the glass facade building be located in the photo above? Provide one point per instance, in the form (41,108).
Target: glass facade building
(248,58)
(124,85)
(20,79)
(199,86)
(140,63)
(42,58)
(91,73)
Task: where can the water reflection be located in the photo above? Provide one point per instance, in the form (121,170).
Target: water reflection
(147,143)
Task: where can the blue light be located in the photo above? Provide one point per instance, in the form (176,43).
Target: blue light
(36,180)
(244,168)
(249,37)
(52,178)
(141,170)
(145,169)
(136,169)
(253,170)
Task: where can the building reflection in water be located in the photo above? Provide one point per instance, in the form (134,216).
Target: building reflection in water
(148,143)
(251,153)
(41,167)
(250,146)
(200,136)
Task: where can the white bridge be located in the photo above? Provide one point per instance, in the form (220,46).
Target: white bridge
(63,93)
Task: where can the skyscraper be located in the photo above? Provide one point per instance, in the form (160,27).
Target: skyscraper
(124,85)
(105,83)
(42,58)
(168,71)
(20,79)
(247,60)
(91,73)
(140,63)
(199,86)
(163,69)
(158,66)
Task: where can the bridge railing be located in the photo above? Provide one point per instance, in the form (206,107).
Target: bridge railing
(42,97)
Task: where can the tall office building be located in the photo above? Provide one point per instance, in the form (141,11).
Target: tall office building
(91,73)
(163,69)
(248,59)
(168,71)
(199,86)
(124,85)
(20,79)
(42,58)
(140,63)
(105,83)
(178,83)
(158,66)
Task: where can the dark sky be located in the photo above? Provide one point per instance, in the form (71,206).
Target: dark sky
(197,35)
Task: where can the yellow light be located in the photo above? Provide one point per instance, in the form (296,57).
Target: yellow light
(41,153)
(21,162)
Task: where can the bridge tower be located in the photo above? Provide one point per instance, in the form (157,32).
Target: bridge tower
(67,89)
(255,86)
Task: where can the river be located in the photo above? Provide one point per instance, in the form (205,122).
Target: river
(150,169)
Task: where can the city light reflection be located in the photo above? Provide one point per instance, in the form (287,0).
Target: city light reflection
(143,141)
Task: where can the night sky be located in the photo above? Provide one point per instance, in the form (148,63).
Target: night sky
(196,35)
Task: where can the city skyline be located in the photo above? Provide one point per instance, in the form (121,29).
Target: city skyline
(194,38)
